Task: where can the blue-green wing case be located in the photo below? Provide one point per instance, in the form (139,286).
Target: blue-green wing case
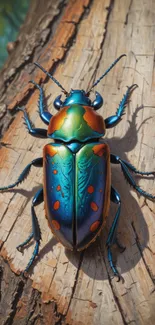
(92,191)
(59,191)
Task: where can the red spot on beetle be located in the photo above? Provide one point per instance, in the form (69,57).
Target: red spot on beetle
(100,150)
(94,206)
(58,188)
(55,171)
(56,224)
(94,226)
(90,189)
(56,205)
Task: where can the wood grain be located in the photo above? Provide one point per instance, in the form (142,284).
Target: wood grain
(88,37)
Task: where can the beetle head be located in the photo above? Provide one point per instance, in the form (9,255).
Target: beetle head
(78,97)
(58,102)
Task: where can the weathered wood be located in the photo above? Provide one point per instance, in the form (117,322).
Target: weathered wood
(83,38)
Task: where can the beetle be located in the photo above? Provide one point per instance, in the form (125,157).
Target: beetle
(77,178)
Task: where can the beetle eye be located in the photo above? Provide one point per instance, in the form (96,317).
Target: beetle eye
(58,102)
(98,102)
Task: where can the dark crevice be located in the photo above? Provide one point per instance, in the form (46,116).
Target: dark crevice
(60,317)
(17,70)
(55,22)
(141,253)
(35,310)
(32,306)
(127,15)
(5,122)
(17,295)
(35,318)
(23,305)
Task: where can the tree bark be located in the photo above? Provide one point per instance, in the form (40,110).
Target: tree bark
(76,41)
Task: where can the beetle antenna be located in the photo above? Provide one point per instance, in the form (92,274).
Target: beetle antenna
(105,73)
(51,77)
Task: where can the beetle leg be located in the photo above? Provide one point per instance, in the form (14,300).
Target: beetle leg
(115,197)
(43,112)
(38,162)
(116,160)
(35,132)
(124,166)
(20,247)
(36,233)
(133,169)
(111,121)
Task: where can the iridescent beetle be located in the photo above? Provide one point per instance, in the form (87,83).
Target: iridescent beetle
(77,177)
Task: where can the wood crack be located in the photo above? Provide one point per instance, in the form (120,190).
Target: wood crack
(127,15)
(145,203)
(141,253)
(32,306)
(7,207)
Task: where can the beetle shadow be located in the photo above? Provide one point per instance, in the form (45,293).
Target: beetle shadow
(28,194)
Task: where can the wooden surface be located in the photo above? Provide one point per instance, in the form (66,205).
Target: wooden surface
(81,39)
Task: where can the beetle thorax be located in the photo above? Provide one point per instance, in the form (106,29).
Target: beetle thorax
(76,122)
